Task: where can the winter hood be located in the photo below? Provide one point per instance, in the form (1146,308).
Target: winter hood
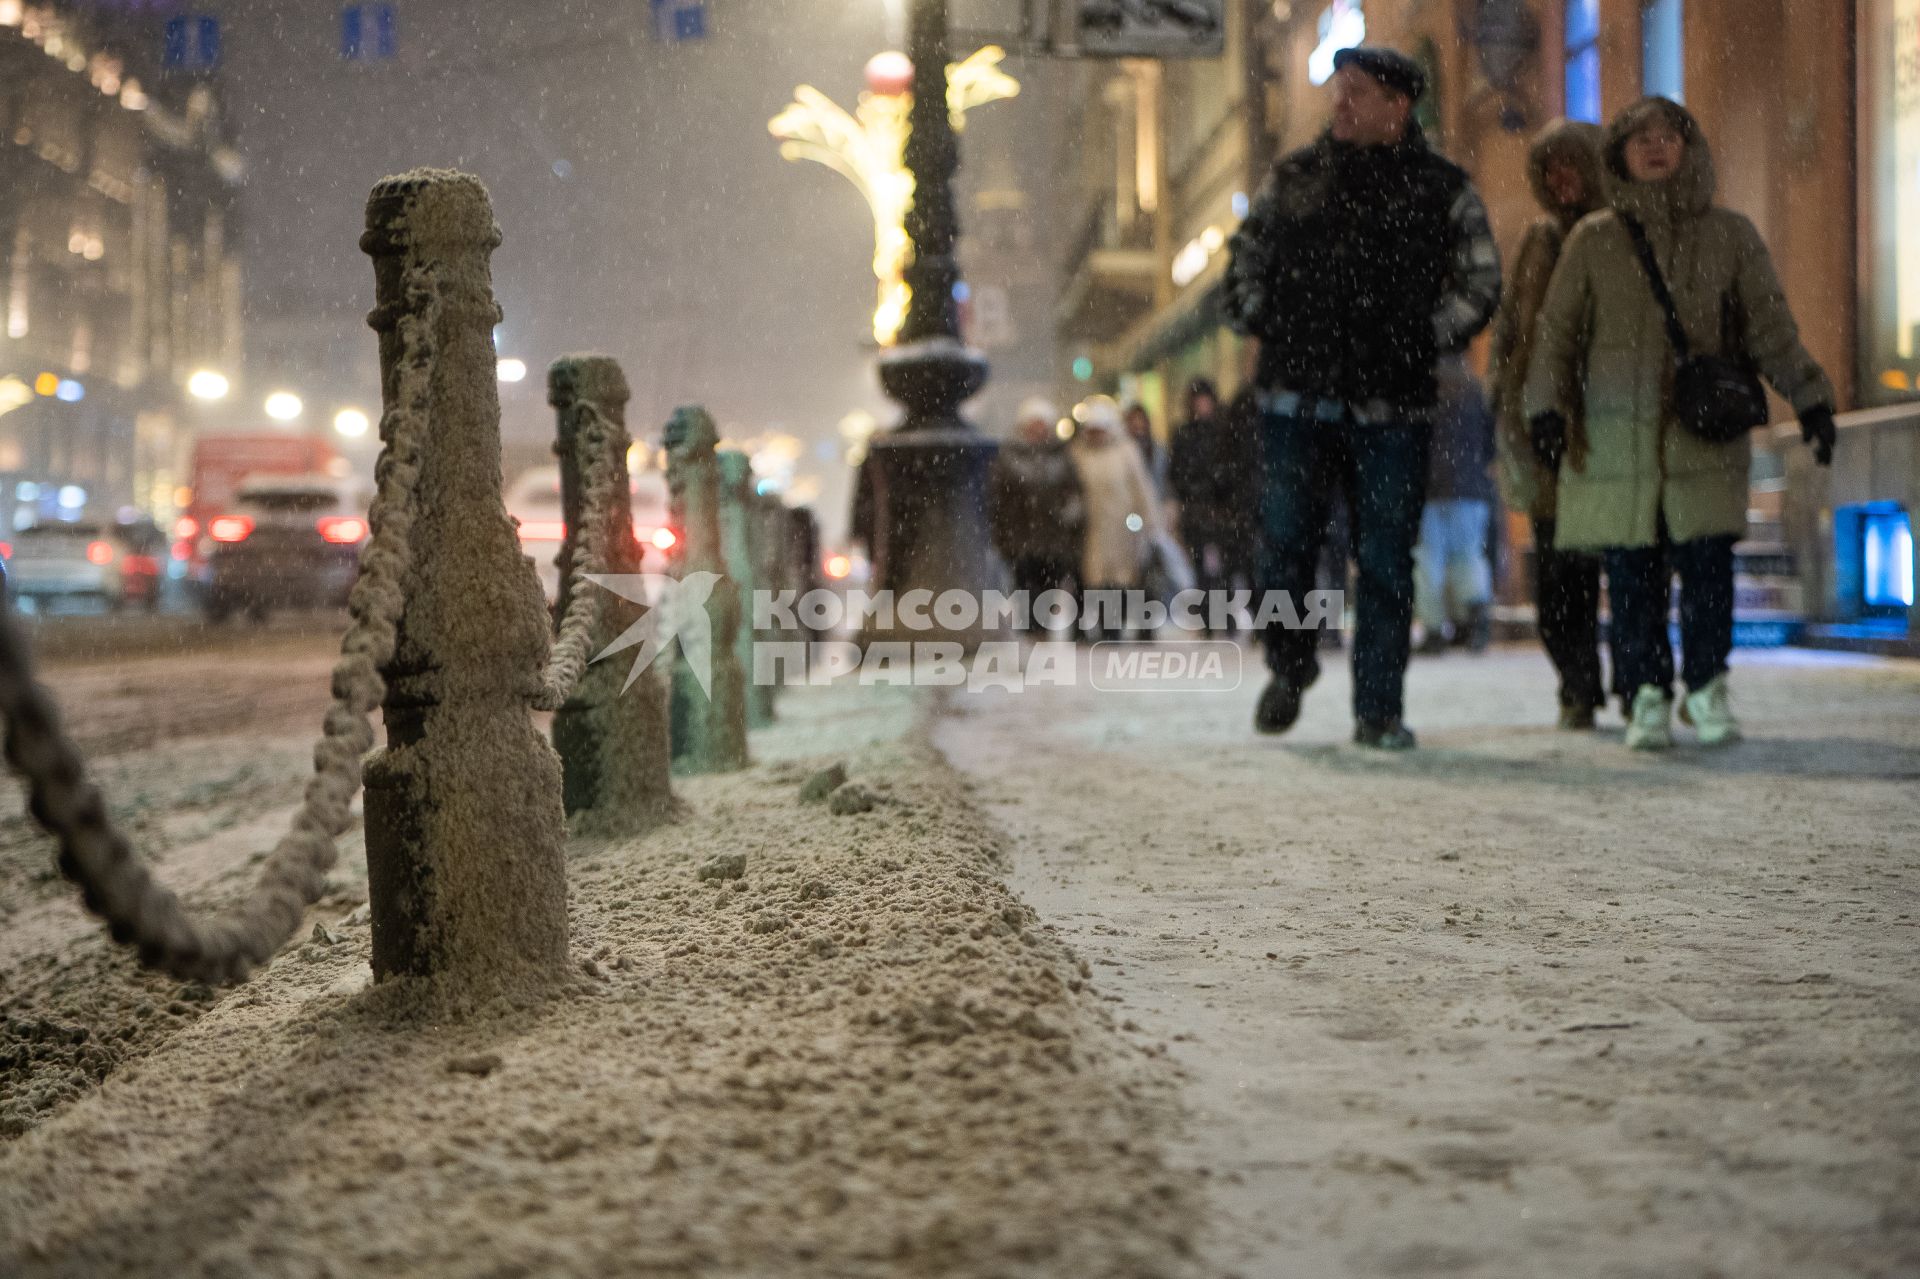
(1688,193)
(1578,144)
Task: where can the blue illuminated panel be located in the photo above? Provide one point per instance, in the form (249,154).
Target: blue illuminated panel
(1886,578)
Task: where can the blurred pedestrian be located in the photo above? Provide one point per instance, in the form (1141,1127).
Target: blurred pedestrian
(1122,510)
(1140,430)
(1569,182)
(1208,474)
(1038,517)
(1657,315)
(1453,586)
(1364,258)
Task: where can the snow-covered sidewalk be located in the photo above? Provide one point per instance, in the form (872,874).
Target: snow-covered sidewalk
(1518,1003)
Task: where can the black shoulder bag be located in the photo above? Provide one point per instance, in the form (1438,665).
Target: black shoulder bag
(1717,398)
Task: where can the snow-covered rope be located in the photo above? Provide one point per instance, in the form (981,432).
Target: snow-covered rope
(597,463)
(95,854)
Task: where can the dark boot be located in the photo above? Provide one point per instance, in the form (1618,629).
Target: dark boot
(1479,628)
(1279,706)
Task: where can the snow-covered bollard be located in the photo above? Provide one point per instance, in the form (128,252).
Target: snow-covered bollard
(740,542)
(612,737)
(465,830)
(710,716)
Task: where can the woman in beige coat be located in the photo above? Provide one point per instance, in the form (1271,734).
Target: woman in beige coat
(1122,511)
(1638,485)
(1564,169)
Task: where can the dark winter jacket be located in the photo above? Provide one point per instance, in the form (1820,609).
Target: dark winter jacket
(1526,483)
(1462,438)
(1037,511)
(1602,356)
(1358,267)
(1212,476)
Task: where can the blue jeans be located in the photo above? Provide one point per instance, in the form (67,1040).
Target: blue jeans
(1381,470)
(1452,561)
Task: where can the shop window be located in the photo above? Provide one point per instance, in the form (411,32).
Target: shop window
(1886,558)
(1889,115)
(1873,560)
(1663,49)
(1582,49)
(191,43)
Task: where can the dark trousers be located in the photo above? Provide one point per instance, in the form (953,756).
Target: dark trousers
(1218,552)
(1639,588)
(1381,471)
(1037,574)
(1566,590)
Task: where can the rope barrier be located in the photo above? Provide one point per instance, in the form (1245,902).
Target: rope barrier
(95,855)
(586,552)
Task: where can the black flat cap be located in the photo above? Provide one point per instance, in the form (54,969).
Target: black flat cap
(1389,66)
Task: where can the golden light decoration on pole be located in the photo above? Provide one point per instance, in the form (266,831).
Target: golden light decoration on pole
(868,148)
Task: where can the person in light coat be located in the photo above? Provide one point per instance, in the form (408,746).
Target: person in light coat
(1121,507)
(1638,485)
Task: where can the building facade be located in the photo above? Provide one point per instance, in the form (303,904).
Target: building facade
(117,280)
(1813,110)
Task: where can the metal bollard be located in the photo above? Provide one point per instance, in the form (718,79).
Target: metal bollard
(465,831)
(710,723)
(738,510)
(612,738)
(774,571)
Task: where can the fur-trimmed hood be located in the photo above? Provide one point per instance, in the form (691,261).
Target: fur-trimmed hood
(1577,143)
(1688,193)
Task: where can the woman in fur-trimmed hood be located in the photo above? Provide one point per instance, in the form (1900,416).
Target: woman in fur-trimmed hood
(1568,180)
(1649,493)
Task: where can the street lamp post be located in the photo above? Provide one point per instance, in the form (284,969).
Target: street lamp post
(921,496)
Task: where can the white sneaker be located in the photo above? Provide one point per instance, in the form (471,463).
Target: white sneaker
(1647,726)
(1710,713)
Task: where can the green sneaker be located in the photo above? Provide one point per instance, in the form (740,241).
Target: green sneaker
(1648,726)
(1709,713)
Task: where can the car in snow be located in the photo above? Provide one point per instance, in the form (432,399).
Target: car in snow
(533,500)
(284,541)
(115,565)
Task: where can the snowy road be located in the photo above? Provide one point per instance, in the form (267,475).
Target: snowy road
(1519,1003)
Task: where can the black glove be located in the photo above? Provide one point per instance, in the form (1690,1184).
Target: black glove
(1817,429)
(1549,435)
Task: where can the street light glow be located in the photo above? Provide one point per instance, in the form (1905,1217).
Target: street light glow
(205,384)
(283,406)
(512,370)
(351,423)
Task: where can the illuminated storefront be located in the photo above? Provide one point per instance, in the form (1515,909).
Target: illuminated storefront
(1890,201)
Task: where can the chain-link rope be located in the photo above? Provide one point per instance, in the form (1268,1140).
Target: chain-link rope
(592,441)
(94,854)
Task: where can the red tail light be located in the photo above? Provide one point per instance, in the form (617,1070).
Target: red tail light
(186,528)
(543,531)
(99,553)
(664,538)
(140,566)
(343,530)
(183,550)
(229,528)
(6,550)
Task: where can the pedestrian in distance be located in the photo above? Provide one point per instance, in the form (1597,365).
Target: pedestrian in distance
(1123,511)
(1140,430)
(1209,472)
(1569,182)
(1363,259)
(1453,587)
(1659,312)
(1037,516)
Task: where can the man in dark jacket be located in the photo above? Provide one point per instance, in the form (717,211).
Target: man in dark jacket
(1037,514)
(1363,259)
